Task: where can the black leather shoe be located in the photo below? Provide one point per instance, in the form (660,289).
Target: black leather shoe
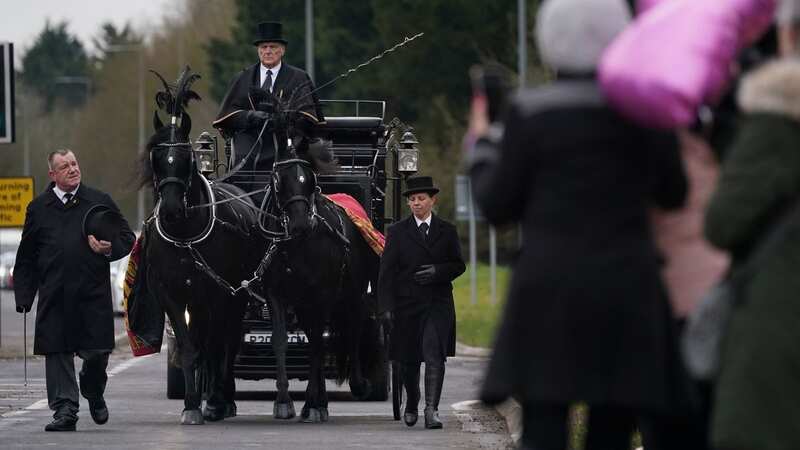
(432,421)
(99,411)
(61,424)
(410,418)
(411,383)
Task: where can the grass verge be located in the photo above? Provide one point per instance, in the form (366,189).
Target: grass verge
(476,323)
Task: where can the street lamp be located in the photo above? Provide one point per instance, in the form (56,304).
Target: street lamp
(140,49)
(206,153)
(408,154)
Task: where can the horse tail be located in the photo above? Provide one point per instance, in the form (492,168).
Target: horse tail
(356,318)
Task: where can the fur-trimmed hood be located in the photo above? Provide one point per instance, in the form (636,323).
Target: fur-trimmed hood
(773,88)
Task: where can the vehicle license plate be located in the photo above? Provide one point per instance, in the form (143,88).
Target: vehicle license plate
(265,337)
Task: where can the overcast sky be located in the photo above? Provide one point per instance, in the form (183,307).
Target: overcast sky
(22,21)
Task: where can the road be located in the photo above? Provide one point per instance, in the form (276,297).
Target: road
(143,418)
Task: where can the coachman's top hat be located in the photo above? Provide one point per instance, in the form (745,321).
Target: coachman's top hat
(104,223)
(269,32)
(416,185)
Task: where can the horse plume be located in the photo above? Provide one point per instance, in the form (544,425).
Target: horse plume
(175,97)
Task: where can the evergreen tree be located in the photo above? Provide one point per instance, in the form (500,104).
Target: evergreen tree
(54,56)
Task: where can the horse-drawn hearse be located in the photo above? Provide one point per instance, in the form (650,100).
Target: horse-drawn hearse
(295,304)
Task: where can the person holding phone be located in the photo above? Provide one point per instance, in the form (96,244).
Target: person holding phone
(587,318)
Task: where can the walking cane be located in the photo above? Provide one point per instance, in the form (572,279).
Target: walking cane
(25,345)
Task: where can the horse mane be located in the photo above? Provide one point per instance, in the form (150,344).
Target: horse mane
(319,153)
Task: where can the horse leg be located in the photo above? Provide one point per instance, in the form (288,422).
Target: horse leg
(214,409)
(191,414)
(234,340)
(316,378)
(283,407)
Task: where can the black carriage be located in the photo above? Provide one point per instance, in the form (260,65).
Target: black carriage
(373,157)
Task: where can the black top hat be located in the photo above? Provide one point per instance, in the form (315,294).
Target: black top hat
(420,184)
(102,222)
(269,32)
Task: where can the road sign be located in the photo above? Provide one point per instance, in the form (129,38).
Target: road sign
(6,93)
(15,194)
(465,205)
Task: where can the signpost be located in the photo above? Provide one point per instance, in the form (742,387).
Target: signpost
(466,210)
(15,194)
(6,93)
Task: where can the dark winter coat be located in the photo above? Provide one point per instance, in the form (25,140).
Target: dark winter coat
(292,87)
(74,311)
(587,318)
(756,394)
(413,304)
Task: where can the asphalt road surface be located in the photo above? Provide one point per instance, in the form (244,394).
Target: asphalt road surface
(141,417)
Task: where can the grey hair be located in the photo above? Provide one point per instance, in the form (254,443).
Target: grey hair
(61,151)
(572,34)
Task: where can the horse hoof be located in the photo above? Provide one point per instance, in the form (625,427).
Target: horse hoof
(213,413)
(192,417)
(283,410)
(312,415)
(323,414)
(361,391)
(230,410)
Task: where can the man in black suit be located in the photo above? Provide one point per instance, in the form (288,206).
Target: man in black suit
(421,259)
(269,90)
(71,234)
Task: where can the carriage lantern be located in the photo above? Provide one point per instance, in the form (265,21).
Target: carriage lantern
(205,153)
(408,154)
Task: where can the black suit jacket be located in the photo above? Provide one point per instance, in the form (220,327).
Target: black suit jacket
(410,302)
(293,88)
(74,311)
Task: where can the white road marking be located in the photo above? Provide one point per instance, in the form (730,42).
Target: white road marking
(42,404)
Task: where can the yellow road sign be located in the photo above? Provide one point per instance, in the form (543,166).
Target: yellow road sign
(15,194)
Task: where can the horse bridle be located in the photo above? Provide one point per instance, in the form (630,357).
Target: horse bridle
(187,185)
(275,184)
(172,148)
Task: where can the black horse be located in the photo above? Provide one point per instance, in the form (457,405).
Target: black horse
(321,270)
(200,243)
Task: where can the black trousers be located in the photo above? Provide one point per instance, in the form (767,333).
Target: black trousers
(432,352)
(546,427)
(62,386)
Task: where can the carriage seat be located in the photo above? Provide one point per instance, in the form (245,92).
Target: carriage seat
(351,122)
(346,131)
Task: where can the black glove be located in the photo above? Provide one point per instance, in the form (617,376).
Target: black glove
(424,274)
(387,320)
(23,308)
(256,118)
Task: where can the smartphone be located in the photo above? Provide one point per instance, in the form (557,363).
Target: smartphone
(491,81)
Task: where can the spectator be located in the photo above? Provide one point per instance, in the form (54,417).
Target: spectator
(587,319)
(755,403)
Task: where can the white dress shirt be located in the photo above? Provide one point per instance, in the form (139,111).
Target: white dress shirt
(60,194)
(274,70)
(427,220)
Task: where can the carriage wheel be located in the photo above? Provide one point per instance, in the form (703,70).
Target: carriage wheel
(397,391)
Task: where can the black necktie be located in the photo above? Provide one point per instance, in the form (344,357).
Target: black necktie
(423,228)
(267,81)
(67,198)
